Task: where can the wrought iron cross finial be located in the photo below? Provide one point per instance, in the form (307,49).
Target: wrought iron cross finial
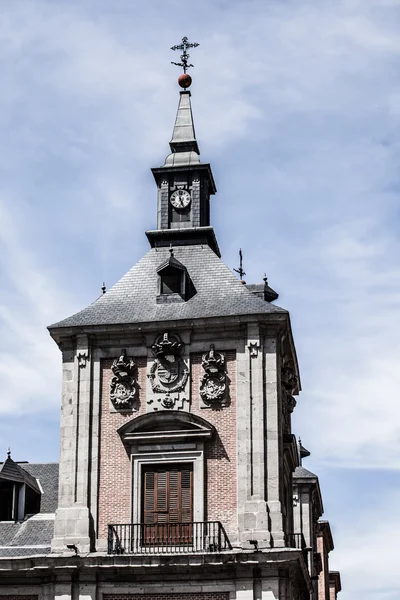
(240,269)
(184,56)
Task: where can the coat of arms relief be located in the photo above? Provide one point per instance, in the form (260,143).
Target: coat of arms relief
(168,375)
(123,385)
(213,383)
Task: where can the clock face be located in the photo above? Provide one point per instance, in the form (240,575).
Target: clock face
(180,199)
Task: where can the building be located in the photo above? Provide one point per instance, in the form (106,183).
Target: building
(179,476)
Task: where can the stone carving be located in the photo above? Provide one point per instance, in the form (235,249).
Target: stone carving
(289,383)
(213,382)
(123,386)
(83,357)
(169,374)
(253,349)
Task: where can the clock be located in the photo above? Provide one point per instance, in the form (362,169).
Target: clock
(180,199)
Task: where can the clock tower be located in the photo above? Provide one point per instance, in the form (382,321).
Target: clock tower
(184,188)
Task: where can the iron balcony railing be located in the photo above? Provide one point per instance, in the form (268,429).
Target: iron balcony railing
(295,540)
(167,538)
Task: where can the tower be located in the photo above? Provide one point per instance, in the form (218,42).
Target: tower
(177,453)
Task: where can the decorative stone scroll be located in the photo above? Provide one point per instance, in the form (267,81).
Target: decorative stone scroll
(123,386)
(213,382)
(168,374)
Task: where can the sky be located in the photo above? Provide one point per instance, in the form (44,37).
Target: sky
(297,107)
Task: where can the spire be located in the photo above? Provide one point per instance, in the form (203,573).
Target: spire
(303,452)
(183,136)
(184,184)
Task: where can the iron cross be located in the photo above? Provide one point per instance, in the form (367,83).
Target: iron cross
(240,269)
(184,56)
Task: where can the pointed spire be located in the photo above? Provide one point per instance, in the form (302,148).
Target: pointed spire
(183,136)
(303,452)
(269,294)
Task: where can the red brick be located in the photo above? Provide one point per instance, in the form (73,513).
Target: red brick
(114,502)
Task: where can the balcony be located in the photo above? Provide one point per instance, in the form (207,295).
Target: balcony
(167,538)
(295,540)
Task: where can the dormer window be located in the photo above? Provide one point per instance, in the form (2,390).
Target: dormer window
(174,284)
(171,281)
(19,492)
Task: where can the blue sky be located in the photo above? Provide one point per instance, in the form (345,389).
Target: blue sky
(297,107)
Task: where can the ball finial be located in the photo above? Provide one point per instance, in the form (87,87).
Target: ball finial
(184,80)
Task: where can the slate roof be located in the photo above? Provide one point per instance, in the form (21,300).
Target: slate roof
(183,136)
(301,472)
(28,538)
(33,536)
(133,299)
(12,471)
(47,474)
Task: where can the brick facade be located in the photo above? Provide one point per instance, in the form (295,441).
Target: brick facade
(221,467)
(323,578)
(114,500)
(199,596)
(114,463)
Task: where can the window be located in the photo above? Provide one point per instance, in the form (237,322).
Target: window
(174,283)
(171,282)
(167,503)
(7,501)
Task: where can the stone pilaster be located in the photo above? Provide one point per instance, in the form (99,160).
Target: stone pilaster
(163,208)
(72,523)
(272,442)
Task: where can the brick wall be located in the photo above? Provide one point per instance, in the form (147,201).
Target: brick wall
(114,505)
(221,452)
(114,463)
(17,597)
(323,582)
(332,591)
(200,596)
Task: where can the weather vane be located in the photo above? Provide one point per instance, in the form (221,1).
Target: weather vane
(240,269)
(184,80)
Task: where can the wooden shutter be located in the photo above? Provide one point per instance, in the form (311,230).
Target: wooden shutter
(167,500)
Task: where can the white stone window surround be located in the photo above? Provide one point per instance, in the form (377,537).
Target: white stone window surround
(156,458)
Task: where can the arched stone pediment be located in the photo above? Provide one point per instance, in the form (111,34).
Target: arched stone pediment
(166,426)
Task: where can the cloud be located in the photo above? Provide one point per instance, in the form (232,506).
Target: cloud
(352,367)
(367,552)
(29,361)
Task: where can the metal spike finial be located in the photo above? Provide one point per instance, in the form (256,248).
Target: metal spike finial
(240,269)
(184,56)
(171,250)
(9,452)
(103,288)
